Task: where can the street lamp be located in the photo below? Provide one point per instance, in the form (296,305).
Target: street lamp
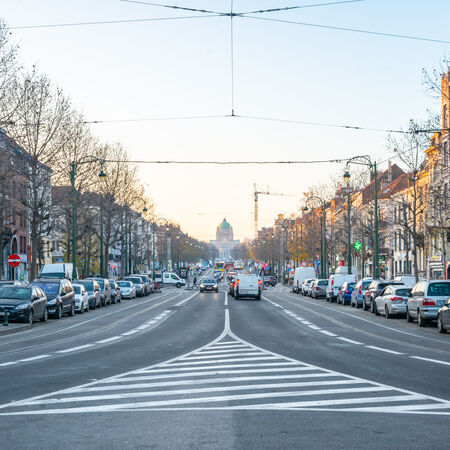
(366,161)
(349,224)
(323,240)
(102,175)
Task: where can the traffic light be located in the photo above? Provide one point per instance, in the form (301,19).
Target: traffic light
(357,245)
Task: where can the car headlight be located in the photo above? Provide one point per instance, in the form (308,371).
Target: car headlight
(52,302)
(202,285)
(215,285)
(22,306)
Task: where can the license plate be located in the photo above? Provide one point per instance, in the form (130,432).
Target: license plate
(243,291)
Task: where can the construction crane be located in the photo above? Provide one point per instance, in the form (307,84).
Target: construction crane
(259,191)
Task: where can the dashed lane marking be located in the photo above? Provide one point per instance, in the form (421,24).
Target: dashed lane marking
(437,361)
(110,339)
(270,382)
(74,349)
(373,347)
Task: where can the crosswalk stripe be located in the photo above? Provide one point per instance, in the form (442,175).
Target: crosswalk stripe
(190,358)
(262,357)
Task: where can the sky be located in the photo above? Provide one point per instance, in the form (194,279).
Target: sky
(182,67)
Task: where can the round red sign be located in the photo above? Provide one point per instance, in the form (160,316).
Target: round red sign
(13,260)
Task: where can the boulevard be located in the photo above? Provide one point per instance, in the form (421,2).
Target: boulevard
(184,369)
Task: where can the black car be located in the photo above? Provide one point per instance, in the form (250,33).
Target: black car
(23,303)
(209,284)
(270,280)
(115,291)
(94,291)
(60,296)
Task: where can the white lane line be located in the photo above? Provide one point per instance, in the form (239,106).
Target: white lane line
(227,343)
(186,300)
(73,349)
(313,327)
(226,299)
(305,322)
(228,350)
(373,347)
(8,363)
(226,347)
(111,339)
(258,358)
(327,333)
(129,333)
(232,355)
(34,358)
(437,361)
(244,387)
(350,341)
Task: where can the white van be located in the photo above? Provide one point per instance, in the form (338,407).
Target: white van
(248,285)
(335,282)
(408,280)
(300,275)
(173,278)
(58,270)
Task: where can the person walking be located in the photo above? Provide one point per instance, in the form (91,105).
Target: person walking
(194,284)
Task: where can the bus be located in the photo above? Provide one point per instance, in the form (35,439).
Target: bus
(219,266)
(239,265)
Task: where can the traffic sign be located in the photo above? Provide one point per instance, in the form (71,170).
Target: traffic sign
(14,260)
(304,264)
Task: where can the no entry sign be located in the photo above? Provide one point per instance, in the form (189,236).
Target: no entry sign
(13,260)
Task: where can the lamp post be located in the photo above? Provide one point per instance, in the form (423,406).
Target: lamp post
(349,224)
(101,175)
(162,222)
(323,229)
(366,161)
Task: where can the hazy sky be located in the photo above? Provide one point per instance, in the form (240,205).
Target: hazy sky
(182,68)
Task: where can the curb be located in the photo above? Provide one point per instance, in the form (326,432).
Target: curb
(7,331)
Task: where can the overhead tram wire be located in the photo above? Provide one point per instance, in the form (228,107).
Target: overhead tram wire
(227,163)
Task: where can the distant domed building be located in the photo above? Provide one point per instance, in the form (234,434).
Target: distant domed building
(225,241)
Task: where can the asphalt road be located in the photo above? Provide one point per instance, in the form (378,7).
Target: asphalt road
(182,369)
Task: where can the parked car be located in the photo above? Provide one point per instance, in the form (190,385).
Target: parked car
(427,297)
(57,270)
(443,318)
(23,303)
(248,285)
(115,292)
(300,275)
(374,290)
(13,283)
(392,301)
(138,284)
(60,296)
(344,294)
(81,298)
(408,280)
(105,290)
(127,289)
(270,280)
(94,291)
(304,288)
(151,283)
(319,288)
(335,282)
(358,292)
(209,284)
(144,279)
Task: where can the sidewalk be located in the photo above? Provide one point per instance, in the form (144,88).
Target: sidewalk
(13,327)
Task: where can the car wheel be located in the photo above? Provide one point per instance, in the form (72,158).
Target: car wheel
(44,317)
(440,326)
(201,290)
(29,319)
(87,307)
(58,313)
(72,309)
(81,309)
(178,285)
(386,312)
(236,297)
(364,305)
(420,320)
(409,318)
(375,309)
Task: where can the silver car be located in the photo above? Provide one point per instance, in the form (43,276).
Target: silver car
(427,297)
(127,289)
(443,320)
(305,285)
(392,301)
(318,288)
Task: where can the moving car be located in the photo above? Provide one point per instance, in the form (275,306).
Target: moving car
(359,291)
(335,282)
(93,289)
(173,278)
(443,318)
(248,285)
(300,275)
(345,293)
(81,298)
(392,301)
(231,286)
(60,296)
(127,289)
(23,303)
(319,288)
(427,298)
(115,292)
(105,290)
(270,280)
(209,284)
(374,290)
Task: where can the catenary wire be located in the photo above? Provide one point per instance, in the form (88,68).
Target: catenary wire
(110,22)
(205,11)
(353,30)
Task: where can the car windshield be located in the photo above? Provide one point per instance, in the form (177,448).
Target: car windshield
(89,285)
(209,280)
(351,285)
(403,292)
(323,283)
(77,289)
(48,288)
(135,280)
(124,284)
(112,282)
(365,284)
(439,289)
(101,283)
(15,293)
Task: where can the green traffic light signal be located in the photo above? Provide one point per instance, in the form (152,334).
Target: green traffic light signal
(357,245)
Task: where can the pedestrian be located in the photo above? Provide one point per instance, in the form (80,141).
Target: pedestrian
(194,285)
